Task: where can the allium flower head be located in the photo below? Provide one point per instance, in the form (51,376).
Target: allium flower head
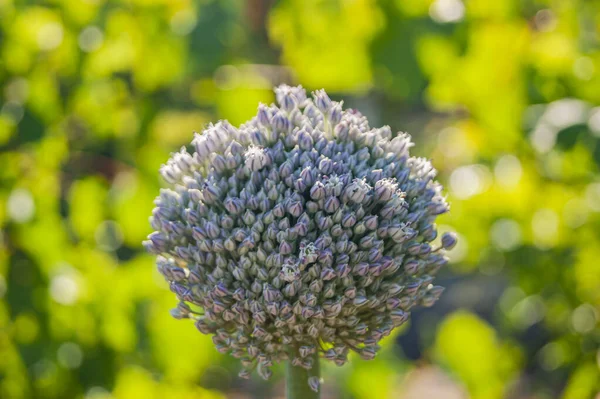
(302,231)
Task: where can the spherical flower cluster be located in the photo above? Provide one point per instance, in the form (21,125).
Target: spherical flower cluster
(302,232)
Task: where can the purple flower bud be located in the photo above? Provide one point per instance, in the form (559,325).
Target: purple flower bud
(360,301)
(305,141)
(264,372)
(399,316)
(330,354)
(412,288)
(285,248)
(203,327)
(301,229)
(368,353)
(307,312)
(335,113)
(332,204)
(395,289)
(413,249)
(233,205)
(295,209)
(317,191)
(342,270)
(322,101)
(361,269)
(314,383)
(280,122)
(289,290)
(384,189)
(158,240)
(411,267)
(448,240)
(286,169)
(316,286)
(270,294)
(349,220)
(326,166)
(392,303)
(327,274)
(263,115)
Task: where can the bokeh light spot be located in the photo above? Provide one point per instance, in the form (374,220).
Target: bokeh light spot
(70,355)
(543,138)
(545,20)
(583,68)
(16,90)
(470,180)
(98,393)
(584,318)
(446,11)
(505,234)
(183,22)
(454,144)
(594,121)
(90,39)
(545,228)
(64,287)
(13,111)
(566,112)
(592,196)
(508,171)
(20,206)
(50,36)
(552,356)
(528,311)
(109,236)
(227,77)
(575,213)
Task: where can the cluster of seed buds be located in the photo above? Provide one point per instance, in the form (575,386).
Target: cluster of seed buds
(302,232)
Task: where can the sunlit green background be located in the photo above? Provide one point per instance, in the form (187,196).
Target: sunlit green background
(502,95)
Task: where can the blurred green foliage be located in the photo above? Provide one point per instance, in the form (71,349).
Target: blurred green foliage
(504,97)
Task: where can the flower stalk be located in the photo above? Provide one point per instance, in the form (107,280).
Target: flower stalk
(296,377)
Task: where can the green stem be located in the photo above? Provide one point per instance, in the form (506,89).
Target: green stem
(296,378)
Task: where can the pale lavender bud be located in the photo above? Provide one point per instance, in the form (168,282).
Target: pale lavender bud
(305,141)
(263,115)
(322,101)
(280,122)
(335,113)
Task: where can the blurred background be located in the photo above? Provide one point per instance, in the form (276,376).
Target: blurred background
(503,96)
